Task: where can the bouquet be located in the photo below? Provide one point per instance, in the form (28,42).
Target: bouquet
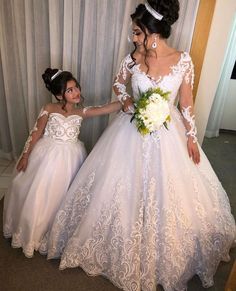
(151,111)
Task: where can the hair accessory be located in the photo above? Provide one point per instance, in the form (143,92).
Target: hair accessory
(153,12)
(57,74)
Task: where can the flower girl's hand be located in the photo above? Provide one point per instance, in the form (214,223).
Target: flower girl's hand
(22,164)
(128,103)
(193,151)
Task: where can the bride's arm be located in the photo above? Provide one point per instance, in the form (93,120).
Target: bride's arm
(101,110)
(120,83)
(186,107)
(34,136)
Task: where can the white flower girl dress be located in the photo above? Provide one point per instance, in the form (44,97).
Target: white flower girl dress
(36,194)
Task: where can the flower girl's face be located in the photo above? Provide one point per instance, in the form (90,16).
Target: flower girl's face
(72,93)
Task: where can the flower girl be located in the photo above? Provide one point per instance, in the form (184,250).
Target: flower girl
(51,157)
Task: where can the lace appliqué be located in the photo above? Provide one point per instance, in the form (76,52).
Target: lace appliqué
(29,139)
(191,120)
(186,68)
(85,109)
(189,75)
(18,241)
(67,220)
(121,87)
(61,128)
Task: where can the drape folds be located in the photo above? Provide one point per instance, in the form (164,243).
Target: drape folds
(86,37)
(217,110)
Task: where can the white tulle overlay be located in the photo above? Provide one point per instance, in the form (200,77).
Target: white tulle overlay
(139,211)
(35,195)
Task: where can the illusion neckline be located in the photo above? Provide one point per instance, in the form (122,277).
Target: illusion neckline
(162,77)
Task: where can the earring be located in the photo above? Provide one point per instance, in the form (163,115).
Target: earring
(154,44)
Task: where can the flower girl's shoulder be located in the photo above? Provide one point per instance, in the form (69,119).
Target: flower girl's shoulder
(52,107)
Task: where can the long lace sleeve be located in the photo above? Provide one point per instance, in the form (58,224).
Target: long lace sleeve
(36,132)
(108,108)
(122,79)
(186,98)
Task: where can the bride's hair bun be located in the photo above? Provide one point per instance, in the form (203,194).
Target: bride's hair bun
(169,9)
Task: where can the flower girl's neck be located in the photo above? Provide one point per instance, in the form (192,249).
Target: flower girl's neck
(69,107)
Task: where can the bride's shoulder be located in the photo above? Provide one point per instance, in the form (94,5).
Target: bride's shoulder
(185,56)
(127,62)
(128,58)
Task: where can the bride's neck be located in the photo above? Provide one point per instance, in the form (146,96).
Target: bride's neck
(162,50)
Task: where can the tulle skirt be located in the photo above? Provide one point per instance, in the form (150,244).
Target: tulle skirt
(36,194)
(141,213)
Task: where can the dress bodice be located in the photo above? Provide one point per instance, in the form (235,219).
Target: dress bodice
(63,128)
(141,81)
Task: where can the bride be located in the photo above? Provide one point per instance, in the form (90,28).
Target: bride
(147,209)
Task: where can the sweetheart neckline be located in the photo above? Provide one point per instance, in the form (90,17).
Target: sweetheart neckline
(65,117)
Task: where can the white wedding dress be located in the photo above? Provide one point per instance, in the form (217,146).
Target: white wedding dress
(139,211)
(36,194)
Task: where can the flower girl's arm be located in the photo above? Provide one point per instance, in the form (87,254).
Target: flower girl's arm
(120,84)
(35,135)
(101,110)
(186,107)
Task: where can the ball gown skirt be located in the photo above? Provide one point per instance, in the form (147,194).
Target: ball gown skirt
(141,213)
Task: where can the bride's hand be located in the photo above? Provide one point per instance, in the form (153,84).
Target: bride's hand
(128,105)
(193,151)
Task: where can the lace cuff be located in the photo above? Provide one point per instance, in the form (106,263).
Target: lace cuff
(86,108)
(35,128)
(191,121)
(123,95)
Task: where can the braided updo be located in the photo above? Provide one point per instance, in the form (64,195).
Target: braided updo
(168,8)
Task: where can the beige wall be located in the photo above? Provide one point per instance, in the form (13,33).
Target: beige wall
(200,37)
(217,43)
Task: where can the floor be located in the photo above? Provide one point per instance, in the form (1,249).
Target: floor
(6,169)
(222,154)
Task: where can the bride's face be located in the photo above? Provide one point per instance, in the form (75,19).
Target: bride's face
(139,37)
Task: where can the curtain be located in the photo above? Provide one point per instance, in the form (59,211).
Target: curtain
(182,31)
(86,37)
(216,114)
